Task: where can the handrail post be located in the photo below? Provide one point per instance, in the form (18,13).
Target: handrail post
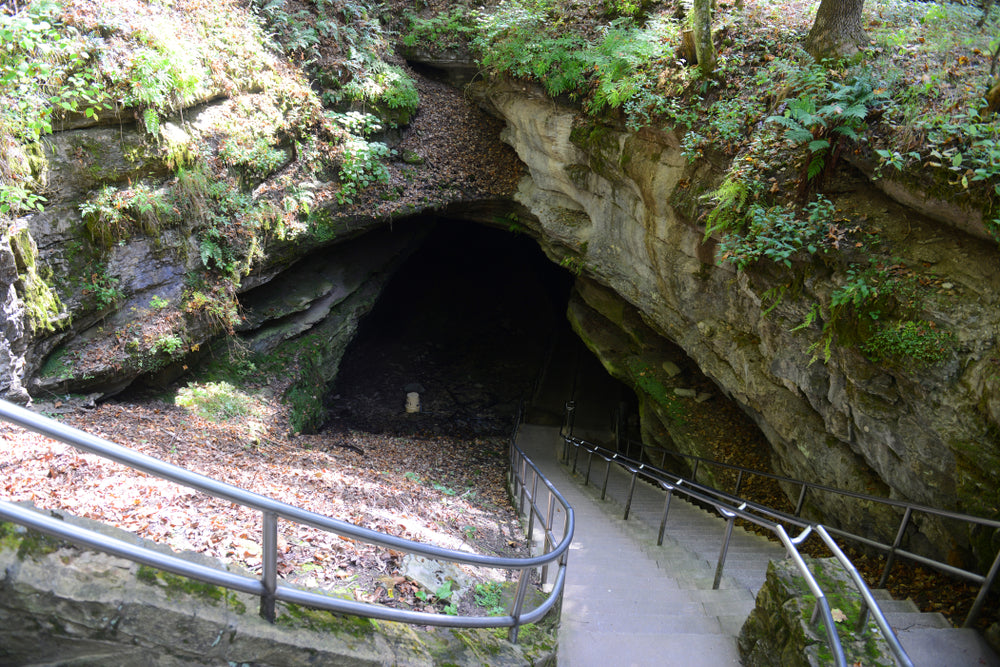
(891,556)
(531,510)
(590,462)
(522,588)
(269,565)
(548,531)
(802,499)
(616,434)
(570,416)
(694,473)
(607,474)
(524,481)
(511,462)
(663,521)
(739,483)
(631,490)
(576,457)
(731,519)
(983,590)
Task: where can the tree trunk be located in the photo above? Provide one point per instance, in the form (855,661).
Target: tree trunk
(837,30)
(701,15)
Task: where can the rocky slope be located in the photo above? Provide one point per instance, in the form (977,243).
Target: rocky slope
(610,204)
(270,253)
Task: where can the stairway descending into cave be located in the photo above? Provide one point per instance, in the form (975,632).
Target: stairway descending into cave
(630,602)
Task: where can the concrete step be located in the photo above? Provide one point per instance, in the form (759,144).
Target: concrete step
(946,647)
(614,621)
(906,620)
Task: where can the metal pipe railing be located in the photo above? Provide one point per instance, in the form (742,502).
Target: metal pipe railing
(869,605)
(822,604)
(271,510)
(892,551)
(754,513)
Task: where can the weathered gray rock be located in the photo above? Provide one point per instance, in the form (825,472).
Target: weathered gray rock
(779,631)
(13,343)
(602,198)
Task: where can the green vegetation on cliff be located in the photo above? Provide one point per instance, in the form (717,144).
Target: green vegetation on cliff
(776,124)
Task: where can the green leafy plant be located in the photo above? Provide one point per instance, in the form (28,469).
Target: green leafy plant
(778,234)
(164,74)
(103,289)
(489,596)
(444,593)
(212,303)
(168,344)
(253,156)
(573,264)
(448,491)
(611,71)
(448,29)
(158,302)
(730,199)
(361,166)
(45,70)
(113,215)
(910,344)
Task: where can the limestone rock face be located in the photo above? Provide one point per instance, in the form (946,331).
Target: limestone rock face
(603,197)
(129,308)
(13,343)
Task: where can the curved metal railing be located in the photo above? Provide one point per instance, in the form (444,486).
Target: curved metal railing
(892,551)
(267,587)
(731,508)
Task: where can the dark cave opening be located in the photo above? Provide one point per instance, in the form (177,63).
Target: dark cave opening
(468,322)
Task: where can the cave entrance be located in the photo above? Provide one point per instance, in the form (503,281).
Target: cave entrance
(467,322)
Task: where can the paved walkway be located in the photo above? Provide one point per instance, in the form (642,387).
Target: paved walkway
(627,601)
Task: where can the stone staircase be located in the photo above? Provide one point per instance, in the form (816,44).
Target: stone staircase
(631,602)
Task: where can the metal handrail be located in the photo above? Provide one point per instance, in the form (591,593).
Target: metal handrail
(266,587)
(869,605)
(892,551)
(754,513)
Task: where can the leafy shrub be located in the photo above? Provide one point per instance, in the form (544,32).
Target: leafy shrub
(169,345)
(399,91)
(253,156)
(448,29)
(216,401)
(214,305)
(777,234)
(103,289)
(44,70)
(361,165)
(489,596)
(524,39)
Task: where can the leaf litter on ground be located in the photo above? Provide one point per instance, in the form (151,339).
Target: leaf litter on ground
(418,488)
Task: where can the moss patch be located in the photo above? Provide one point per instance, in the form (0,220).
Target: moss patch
(295,616)
(41,302)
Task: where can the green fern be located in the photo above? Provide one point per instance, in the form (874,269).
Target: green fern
(821,127)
